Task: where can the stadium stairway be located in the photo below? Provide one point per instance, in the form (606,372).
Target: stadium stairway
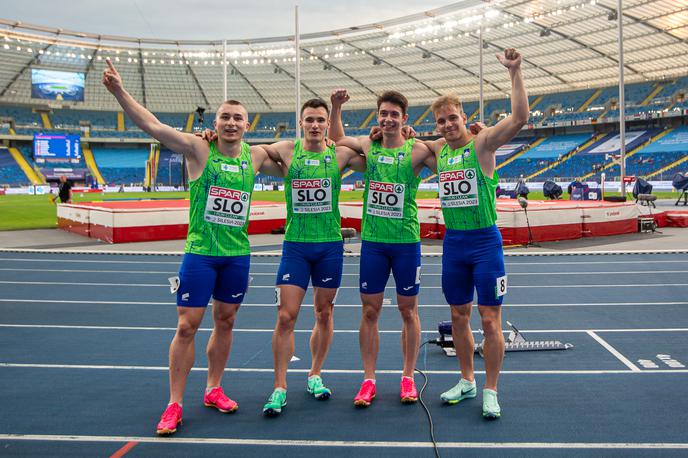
(91,164)
(26,167)
(120,121)
(651,95)
(422,116)
(522,152)
(254,123)
(667,167)
(587,103)
(367,120)
(567,156)
(612,163)
(188,127)
(45,119)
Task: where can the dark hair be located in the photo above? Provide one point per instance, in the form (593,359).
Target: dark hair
(397,98)
(315,103)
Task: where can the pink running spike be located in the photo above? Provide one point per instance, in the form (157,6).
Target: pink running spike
(217,398)
(408,391)
(171,417)
(366,394)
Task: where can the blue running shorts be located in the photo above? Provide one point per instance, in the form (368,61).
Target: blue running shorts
(320,263)
(225,278)
(377,259)
(473,259)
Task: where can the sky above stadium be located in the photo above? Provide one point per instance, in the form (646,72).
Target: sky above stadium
(208,19)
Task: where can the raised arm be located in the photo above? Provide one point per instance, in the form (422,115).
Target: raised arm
(336,130)
(186,144)
(492,138)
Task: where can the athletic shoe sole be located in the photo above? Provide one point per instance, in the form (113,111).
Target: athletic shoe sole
(167,432)
(491,415)
(363,402)
(467,395)
(408,400)
(272,412)
(222,410)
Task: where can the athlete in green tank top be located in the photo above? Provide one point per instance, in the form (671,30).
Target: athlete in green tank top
(390,213)
(221,177)
(311,189)
(390,232)
(220,205)
(467,196)
(468,180)
(312,249)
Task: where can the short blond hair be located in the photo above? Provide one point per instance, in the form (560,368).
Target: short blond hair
(442,101)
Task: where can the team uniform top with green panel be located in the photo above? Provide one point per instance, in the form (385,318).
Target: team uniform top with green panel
(311,189)
(467,196)
(220,201)
(390,214)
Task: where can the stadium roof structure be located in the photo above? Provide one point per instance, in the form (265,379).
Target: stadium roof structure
(566,45)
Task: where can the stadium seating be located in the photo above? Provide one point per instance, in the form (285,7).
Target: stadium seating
(121,165)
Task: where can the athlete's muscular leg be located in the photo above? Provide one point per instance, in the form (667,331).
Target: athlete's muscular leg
(321,337)
(493,349)
(220,342)
(463,338)
(288,307)
(183,350)
(410,331)
(368,335)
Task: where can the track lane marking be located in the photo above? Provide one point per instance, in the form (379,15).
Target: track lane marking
(614,351)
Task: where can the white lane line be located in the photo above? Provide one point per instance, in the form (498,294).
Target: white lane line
(340,306)
(258,263)
(614,351)
(161,285)
(339,371)
(337,443)
(425,274)
(336,331)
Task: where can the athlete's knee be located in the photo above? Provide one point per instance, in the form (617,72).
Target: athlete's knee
(370,312)
(286,319)
(492,327)
(409,312)
(323,312)
(186,330)
(461,315)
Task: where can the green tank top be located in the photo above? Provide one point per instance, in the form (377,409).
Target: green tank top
(311,189)
(467,196)
(220,205)
(390,214)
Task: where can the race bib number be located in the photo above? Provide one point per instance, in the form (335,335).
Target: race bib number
(501,286)
(386,199)
(226,206)
(459,188)
(311,196)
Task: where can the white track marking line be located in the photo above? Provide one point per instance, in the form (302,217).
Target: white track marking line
(340,371)
(337,443)
(336,331)
(308,305)
(614,352)
(161,285)
(272,274)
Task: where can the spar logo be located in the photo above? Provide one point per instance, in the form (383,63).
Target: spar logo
(386,187)
(310,184)
(457,175)
(226,193)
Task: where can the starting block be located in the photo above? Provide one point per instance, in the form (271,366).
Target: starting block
(515,341)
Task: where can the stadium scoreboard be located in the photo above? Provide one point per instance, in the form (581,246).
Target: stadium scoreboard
(65,147)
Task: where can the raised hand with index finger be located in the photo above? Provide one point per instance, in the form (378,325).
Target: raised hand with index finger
(111,78)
